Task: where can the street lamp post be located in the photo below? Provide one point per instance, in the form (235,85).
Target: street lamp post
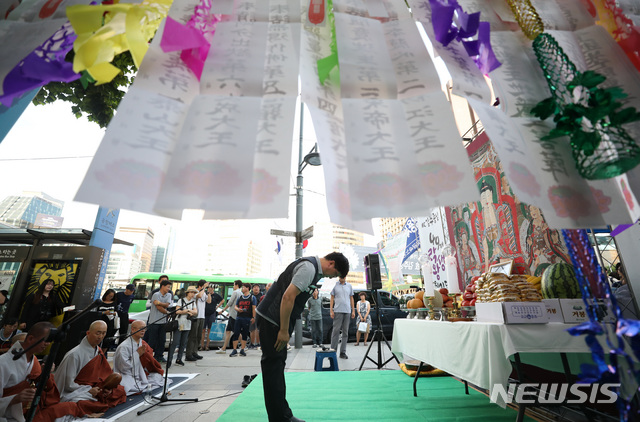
(313,159)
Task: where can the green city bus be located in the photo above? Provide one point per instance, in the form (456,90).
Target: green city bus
(145,283)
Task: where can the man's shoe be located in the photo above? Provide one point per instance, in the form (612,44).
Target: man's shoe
(197,356)
(314,346)
(179,362)
(294,419)
(242,353)
(246,381)
(344,356)
(161,360)
(191,359)
(233,354)
(221,352)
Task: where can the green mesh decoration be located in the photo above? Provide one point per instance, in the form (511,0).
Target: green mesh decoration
(327,64)
(527,17)
(590,116)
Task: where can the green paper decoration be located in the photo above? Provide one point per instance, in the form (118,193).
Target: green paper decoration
(590,116)
(327,64)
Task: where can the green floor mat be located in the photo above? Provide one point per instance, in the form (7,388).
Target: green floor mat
(370,396)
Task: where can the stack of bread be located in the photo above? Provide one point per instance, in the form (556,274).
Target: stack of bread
(497,287)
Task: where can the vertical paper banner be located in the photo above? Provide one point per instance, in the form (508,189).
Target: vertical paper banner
(468,81)
(325,107)
(366,70)
(130,164)
(213,165)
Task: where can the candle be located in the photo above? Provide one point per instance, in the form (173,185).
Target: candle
(427,273)
(451,267)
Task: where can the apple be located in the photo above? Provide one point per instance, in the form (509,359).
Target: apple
(444,292)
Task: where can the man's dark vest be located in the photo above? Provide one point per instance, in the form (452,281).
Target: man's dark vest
(270,305)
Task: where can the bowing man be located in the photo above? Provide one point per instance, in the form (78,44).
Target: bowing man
(84,375)
(135,362)
(19,377)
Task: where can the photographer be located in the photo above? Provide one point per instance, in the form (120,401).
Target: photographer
(195,335)
(186,309)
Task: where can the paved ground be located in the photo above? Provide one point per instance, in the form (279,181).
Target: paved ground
(221,375)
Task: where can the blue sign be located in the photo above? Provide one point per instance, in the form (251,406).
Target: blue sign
(102,237)
(413,239)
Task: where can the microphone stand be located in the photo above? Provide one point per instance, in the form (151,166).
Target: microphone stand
(58,337)
(164,397)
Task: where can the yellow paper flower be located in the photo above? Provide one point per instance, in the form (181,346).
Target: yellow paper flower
(105,31)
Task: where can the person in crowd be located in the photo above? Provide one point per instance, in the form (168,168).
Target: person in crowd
(154,291)
(340,307)
(253,328)
(17,378)
(246,314)
(160,301)
(277,314)
(41,305)
(84,375)
(9,330)
(195,335)
(623,295)
(364,310)
(108,309)
(186,308)
(315,318)
(123,303)
(232,314)
(210,315)
(134,361)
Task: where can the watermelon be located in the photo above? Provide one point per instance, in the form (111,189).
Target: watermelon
(559,281)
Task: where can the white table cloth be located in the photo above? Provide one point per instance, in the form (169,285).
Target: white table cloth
(478,351)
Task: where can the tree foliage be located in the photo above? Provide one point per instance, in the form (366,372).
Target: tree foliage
(97,102)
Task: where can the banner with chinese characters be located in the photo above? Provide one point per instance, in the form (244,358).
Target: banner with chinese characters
(397,160)
(221,144)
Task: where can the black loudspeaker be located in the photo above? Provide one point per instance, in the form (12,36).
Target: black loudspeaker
(372,271)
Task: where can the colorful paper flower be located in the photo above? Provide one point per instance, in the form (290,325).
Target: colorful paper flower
(522,178)
(438,177)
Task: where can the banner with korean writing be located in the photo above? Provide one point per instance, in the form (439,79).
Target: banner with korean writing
(433,238)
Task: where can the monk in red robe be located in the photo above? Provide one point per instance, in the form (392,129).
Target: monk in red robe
(18,379)
(82,374)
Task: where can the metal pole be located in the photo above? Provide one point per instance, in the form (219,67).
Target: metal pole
(298,326)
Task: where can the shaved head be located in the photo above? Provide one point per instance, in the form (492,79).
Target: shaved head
(138,326)
(38,333)
(40,329)
(96,333)
(98,325)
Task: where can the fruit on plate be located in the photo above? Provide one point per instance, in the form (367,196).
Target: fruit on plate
(415,304)
(559,281)
(420,295)
(444,292)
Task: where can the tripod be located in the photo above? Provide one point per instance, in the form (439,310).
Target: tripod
(378,336)
(171,318)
